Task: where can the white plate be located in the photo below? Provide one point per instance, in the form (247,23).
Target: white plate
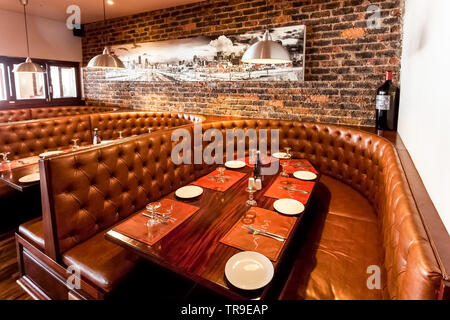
(106,141)
(305,175)
(30,178)
(281,155)
(236,164)
(189,192)
(289,207)
(50,153)
(249,270)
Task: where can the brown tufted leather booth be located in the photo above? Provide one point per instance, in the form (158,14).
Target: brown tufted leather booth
(136,123)
(13,115)
(28,138)
(363,212)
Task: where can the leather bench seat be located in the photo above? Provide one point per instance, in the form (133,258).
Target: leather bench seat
(33,232)
(101,262)
(339,245)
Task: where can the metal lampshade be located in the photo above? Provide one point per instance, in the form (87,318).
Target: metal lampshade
(106,60)
(28,67)
(266,51)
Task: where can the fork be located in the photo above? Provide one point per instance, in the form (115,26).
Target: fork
(265,233)
(295,190)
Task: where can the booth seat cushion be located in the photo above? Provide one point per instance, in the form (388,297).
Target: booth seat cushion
(101,261)
(33,232)
(342,241)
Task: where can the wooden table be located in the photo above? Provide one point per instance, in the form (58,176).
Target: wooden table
(11,177)
(193,249)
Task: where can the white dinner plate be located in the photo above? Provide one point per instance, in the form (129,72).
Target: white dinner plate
(289,207)
(236,164)
(249,270)
(30,178)
(50,153)
(281,155)
(305,175)
(106,141)
(189,192)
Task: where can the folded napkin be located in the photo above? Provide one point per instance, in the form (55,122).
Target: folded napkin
(211,181)
(266,220)
(136,226)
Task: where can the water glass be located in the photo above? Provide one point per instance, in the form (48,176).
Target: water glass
(151,208)
(75,144)
(251,202)
(284,164)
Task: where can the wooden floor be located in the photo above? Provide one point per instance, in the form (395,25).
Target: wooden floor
(9,289)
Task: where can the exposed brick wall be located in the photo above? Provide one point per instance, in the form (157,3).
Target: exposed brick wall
(345,61)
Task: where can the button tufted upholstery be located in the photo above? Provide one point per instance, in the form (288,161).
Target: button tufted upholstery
(24,139)
(15,115)
(91,190)
(135,123)
(63,111)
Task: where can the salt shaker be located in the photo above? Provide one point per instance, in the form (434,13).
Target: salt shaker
(251,183)
(258,184)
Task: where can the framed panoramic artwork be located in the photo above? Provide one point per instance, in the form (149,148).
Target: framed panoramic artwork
(209,59)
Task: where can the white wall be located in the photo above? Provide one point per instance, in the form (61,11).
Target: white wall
(424,123)
(49,39)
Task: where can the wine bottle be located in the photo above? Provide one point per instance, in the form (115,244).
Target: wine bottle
(258,167)
(97,139)
(388,98)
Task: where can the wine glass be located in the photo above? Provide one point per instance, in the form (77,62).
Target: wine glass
(251,201)
(75,144)
(284,164)
(120,135)
(151,207)
(288,155)
(168,211)
(5,159)
(220,177)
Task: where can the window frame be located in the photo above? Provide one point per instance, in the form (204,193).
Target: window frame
(13,103)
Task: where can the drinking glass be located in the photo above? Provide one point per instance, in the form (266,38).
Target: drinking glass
(251,201)
(249,217)
(5,159)
(151,207)
(287,149)
(168,211)
(220,177)
(120,135)
(284,164)
(75,144)
(152,227)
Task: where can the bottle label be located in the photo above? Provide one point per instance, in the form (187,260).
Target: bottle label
(383,102)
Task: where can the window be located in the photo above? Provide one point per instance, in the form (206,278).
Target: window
(3,96)
(64,82)
(58,86)
(29,86)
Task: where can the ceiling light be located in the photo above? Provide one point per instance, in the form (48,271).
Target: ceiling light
(110,2)
(266,51)
(28,66)
(106,60)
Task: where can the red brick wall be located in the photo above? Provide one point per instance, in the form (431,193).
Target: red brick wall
(345,61)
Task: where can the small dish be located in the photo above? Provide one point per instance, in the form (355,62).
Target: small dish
(305,175)
(30,178)
(289,207)
(236,164)
(189,192)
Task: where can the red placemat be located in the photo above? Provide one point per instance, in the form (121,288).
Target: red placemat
(280,189)
(136,226)
(298,165)
(265,160)
(210,181)
(14,164)
(266,220)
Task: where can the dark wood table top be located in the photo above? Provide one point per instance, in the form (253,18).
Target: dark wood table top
(194,250)
(11,177)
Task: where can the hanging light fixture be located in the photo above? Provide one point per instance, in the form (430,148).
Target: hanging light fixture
(106,59)
(266,51)
(28,66)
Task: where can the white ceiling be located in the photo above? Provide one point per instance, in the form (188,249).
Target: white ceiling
(91,10)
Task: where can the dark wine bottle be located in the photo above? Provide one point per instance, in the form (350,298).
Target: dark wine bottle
(388,98)
(258,166)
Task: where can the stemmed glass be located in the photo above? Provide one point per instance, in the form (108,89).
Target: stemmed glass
(284,164)
(251,201)
(120,134)
(151,207)
(75,144)
(220,177)
(5,159)
(287,149)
